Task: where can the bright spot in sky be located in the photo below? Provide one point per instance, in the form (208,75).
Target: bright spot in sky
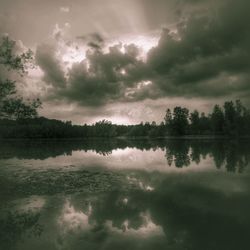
(73,55)
(119,120)
(143,42)
(146,43)
(75,52)
(123,71)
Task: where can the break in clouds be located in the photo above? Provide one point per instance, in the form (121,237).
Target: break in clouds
(201,50)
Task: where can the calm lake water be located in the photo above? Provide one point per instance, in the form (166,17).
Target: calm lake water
(120,194)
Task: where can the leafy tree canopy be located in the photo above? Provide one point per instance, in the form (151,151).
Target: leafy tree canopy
(12,105)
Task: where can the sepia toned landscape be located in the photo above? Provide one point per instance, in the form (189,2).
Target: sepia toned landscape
(124,124)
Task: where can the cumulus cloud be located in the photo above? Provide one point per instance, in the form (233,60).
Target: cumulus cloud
(210,45)
(102,77)
(46,59)
(93,40)
(205,55)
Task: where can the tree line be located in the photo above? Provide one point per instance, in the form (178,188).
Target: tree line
(233,119)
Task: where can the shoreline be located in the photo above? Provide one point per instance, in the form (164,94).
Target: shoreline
(185,137)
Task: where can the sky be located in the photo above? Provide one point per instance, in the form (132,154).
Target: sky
(127,61)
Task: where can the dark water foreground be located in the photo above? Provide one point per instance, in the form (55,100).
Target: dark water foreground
(119,194)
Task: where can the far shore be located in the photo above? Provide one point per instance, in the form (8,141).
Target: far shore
(184,137)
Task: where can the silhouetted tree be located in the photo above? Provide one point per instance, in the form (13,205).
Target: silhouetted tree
(168,121)
(230,118)
(205,125)
(217,120)
(13,106)
(195,122)
(179,124)
(104,128)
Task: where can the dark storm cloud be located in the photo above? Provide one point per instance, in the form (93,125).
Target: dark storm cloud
(47,61)
(94,45)
(100,79)
(96,41)
(208,46)
(93,40)
(92,37)
(203,55)
(97,37)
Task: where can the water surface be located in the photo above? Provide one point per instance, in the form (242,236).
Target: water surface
(124,194)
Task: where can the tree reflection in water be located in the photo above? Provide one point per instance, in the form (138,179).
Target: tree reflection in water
(234,154)
(127,208)
(178,152)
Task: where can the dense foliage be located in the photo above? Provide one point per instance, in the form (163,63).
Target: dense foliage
(232,119)
(12,105)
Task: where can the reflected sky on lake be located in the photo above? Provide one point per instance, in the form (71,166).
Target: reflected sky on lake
(119,159)
(172,155)
(177,194)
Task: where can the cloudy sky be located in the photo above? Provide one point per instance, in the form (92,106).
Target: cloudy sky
(129,60)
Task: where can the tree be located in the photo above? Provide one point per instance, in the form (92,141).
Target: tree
(205,123)
(168,121)
(240,121)
(217,120)
(104,128)
(230,118)
(195,122)
(13,106)
(245,124)
(180,121)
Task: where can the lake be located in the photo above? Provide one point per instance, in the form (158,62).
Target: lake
(125,194)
